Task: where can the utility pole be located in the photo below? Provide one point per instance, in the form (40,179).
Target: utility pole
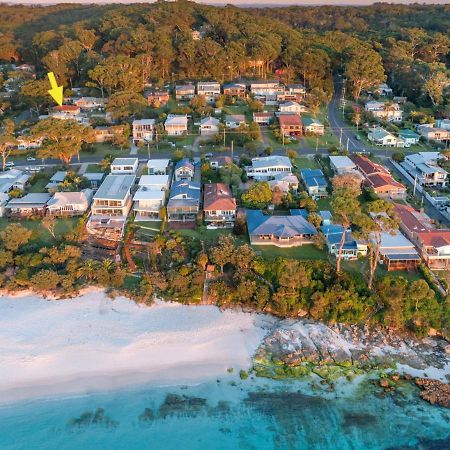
(340,138)
(317,143)
(232,150)
(348,140)
(415,184)
(224,137)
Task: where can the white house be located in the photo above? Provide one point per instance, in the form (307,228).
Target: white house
(390,112)
(70,203)
(122,166)
(155,182)
(113,197)
(234,120)
(13,179)
(342,164)
(208,89)
(313,126)
(89,103)
(409,137)
(209,126)
(144,130)
(158,166)
(176,125)
(184,170)
(379,136)
(291,108)
(268,167)
(423,166)
(148,204)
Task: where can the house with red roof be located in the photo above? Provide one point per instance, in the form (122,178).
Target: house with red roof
(219,205)
(290,124)
(378,178)
(434,247)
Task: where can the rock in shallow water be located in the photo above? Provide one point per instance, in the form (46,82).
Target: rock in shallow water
(434,391)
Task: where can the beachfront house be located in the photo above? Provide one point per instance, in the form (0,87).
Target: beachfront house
(122,166)
(333,238)
(70,203)
(268,167)
(184,202)
(33,204)
(315,183)
(282,231)
(219,205)
(113,198)
(144,130)
(148,203)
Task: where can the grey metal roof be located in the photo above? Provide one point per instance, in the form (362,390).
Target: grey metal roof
(115,187)
(280,226)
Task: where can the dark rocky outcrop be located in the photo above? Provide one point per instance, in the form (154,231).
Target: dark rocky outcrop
(434,391)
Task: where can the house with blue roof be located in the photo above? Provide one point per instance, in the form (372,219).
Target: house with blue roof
(333,236)
(281,231)
(184,201)
(315,183)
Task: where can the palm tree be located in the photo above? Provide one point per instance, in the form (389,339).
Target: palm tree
(108,265)
(88,270)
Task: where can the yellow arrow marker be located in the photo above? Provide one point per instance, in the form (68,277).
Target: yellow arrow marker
(56,91)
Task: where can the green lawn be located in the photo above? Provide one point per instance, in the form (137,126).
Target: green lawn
(306,163)
(361,267)
(93,168)
(324,204)
(304,252)
(39,185)
(62,227)
(210,235)
(103,149)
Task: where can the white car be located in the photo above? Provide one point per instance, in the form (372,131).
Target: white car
(9,164)
(30,158)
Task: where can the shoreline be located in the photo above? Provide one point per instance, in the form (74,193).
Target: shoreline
(93,344)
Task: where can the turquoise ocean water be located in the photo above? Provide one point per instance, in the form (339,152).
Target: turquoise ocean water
(228,414)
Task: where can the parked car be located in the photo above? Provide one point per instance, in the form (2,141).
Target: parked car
(208,155)
(31,158)
(9,164)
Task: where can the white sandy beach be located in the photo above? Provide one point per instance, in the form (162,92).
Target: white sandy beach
(92,343)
